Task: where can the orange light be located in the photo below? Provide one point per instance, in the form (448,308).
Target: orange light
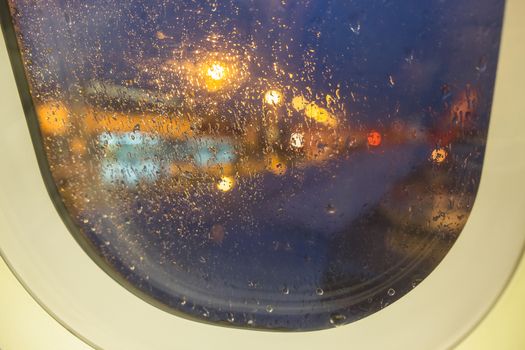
(219,73)
(276,166)
(439,155)
(216,72)
(53,118)
(78,146)
(101,121)
(226,184)
(213,71)
(374,138)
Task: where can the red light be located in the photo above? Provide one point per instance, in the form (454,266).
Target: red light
(374,138)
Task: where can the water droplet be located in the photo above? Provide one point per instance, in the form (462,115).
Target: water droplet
(269,308)
(132,267)
(391,81)
(446,92)
(285,290)
(230,317)
(330,209)
(217,233)
(319,291)
(337,319)
(410,57)
(355,28)
(416,282)
(481,67)
(391,292)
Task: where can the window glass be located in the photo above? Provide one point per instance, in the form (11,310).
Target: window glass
(277,164)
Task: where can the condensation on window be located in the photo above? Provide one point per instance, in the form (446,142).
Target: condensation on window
(289,165)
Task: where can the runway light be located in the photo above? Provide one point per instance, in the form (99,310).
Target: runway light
(297,140)
(219,71)
(53,118)
(299,103)
(78,146)
(276,166)
(439,155)
(273,97)
(374,138)
(216,72)
(320,115)
(226,183)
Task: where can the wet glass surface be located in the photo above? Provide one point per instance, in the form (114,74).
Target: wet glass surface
(291,165)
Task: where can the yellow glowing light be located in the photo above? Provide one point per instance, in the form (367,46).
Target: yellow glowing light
(53,118)
(226,183)
(320,115)
(273,97)
(297,140)
(216,72)
(213,71)
(78,146)
(329,100)
(439,155)
(98,121)
(299,103)
(276,166)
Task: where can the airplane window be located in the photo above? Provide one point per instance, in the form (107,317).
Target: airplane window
(267,164)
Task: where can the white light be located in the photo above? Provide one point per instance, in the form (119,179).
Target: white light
(297,140)
(273,97)
(216,72)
